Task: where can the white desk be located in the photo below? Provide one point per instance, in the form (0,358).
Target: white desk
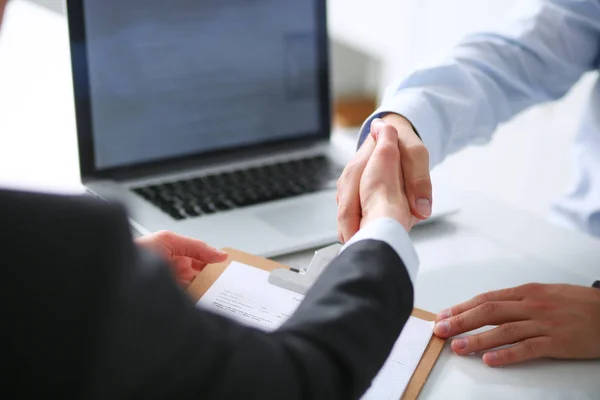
(476,251)
(486,246)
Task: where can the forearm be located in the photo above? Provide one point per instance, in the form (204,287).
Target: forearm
(490,77)
(346,327)
(160,345)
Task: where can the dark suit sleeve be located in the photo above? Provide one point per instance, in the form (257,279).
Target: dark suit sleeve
(157,344)
(89,316)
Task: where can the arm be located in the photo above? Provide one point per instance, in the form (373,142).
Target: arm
(490,77)
(159,345)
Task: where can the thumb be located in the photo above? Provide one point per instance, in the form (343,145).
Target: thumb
(213,256)
(384,164)
(382,183)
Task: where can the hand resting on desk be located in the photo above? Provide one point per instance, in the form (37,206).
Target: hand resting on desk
(542,321)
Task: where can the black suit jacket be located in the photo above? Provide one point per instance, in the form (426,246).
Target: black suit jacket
(89,316)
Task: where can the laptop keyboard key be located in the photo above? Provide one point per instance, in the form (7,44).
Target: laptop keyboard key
(193,211)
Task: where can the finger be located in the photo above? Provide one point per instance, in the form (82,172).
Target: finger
(489,313)
(184,283)
(188,275)
(528,349)
(187,267)
(340,236)
(415,167)
(179,245)
(509,333)
(198,266)
(184,268)
(511,294)
(349,211)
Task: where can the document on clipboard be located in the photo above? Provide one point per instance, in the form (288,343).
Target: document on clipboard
(241,291)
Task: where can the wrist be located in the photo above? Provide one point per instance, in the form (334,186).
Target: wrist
(403,218)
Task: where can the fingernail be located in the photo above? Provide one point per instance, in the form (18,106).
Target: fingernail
(424,207)
(442,328)
(444,315)
(222,253)
(490,358)
(461,344)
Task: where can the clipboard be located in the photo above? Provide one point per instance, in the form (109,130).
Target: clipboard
(211,273)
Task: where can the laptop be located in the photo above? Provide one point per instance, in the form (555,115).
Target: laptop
(209,118)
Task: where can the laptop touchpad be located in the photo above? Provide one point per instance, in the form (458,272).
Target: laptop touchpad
(303,218)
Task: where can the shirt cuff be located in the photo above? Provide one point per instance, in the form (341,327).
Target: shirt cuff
(412,104)
(391,232)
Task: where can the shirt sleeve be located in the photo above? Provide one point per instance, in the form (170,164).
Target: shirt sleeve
(390,231)
(492,76)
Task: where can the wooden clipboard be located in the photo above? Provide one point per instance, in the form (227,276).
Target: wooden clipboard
(211,273)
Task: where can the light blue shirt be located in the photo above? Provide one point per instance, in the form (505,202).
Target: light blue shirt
(490,77)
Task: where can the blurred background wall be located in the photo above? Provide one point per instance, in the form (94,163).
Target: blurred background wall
(526,165)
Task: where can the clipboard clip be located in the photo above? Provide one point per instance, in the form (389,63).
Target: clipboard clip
(302,280)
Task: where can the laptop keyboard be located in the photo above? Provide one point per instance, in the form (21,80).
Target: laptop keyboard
(225,191)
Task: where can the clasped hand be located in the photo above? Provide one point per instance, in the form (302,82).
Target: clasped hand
(557,321)
(372,185)
(410,166)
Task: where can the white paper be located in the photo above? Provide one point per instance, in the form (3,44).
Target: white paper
(394,376)
(244,294)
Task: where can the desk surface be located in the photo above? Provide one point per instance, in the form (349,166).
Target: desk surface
(474,251)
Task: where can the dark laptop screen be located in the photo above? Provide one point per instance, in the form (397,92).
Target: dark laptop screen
(180,77)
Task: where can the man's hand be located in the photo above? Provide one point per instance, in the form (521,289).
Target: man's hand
(187,256)
(542,321)
(413,162)
(379,189)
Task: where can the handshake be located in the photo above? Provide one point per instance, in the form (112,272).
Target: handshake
(372,186)
(388,178)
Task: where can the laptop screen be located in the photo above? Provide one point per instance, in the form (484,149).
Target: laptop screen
(181,77)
